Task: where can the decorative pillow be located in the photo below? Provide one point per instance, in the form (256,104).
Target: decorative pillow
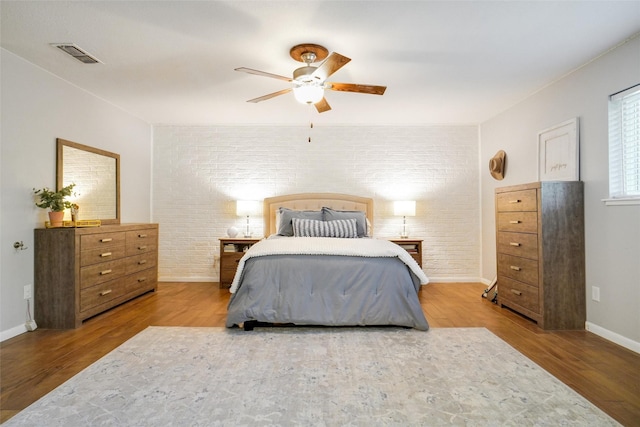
(360,217)
(312,228)
(285,227)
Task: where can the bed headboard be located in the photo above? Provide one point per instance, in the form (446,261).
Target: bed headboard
(314,202)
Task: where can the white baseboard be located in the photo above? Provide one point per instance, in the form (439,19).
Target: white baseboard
(438,279)
(613,337)
(13,332)
(188,279)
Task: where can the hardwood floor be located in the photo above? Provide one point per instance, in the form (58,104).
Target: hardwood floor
(34,363)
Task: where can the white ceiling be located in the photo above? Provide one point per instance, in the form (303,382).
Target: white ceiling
(172,62)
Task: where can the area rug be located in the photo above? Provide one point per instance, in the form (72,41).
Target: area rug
(173,376)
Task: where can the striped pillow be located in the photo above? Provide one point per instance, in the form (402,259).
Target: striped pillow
(313,228)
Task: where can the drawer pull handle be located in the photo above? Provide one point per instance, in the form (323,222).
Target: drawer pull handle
(514,222)
(142,279)
(106,254)
(109,239)
(514,244)
(144,261)
(516,292)
(516,268)
(107,292)
(515,201)
(142,248)
(142,236)
(102,273)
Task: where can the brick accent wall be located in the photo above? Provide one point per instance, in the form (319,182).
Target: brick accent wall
(199,172)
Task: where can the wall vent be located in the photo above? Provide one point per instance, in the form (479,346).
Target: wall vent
(77,53)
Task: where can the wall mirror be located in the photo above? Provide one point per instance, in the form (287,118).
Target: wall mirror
(96,174)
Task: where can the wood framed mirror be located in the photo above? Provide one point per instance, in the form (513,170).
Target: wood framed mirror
(96,174)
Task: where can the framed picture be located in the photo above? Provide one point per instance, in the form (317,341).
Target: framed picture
(558,152)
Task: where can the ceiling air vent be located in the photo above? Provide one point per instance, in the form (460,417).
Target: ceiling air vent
(77,53)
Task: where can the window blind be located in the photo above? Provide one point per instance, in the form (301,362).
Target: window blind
(624,144)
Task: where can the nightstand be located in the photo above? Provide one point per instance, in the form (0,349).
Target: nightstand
(231,250)
(413,246)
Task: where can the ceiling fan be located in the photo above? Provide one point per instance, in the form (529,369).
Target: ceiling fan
(309,83)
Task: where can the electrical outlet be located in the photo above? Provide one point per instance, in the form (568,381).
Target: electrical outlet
(595,293)
(28,293)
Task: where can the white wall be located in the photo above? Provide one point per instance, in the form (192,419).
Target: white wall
(612,232)
(37,108)
(200,171)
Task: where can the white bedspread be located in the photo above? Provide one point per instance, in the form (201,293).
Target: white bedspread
(328,246)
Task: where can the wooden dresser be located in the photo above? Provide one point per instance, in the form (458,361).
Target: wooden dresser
(540,252)
(81,272)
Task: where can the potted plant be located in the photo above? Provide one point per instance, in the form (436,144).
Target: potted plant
(55,202)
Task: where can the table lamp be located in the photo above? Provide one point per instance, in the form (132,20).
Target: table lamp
(404,208)
(247,208)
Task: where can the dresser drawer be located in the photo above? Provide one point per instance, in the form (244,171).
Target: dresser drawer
(102,272)
(140,262)
(108,291)
(524,200)
(142,279)
(518,244)
(521,222)
(519,293)
(101,294)
(94,241)
(226,276)
(520,269)
(229,266)
(103,254)
(142,241)
(230,263)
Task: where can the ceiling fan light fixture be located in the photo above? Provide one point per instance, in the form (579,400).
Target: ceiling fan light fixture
(308,93)
(309,83)
(307,89)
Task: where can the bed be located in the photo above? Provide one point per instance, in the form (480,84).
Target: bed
(300,276)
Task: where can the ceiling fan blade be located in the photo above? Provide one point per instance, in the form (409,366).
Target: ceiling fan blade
(322,105)
(333,63)
(352,87)
(269,96)
(263,73)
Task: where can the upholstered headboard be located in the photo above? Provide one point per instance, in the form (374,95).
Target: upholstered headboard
(314,202)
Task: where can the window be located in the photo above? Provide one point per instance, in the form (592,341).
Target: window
(624,145)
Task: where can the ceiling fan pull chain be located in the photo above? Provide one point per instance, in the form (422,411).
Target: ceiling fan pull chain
(310,122)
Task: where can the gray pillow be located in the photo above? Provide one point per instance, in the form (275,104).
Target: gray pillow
(361,219)
(285,228)
(344,228)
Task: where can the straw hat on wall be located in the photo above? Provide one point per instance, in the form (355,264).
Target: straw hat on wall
(497,165)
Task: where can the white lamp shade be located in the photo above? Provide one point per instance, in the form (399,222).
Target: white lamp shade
(404,208)
(247,207)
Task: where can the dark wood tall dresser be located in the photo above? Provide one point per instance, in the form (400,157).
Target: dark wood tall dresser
(81,272)
(540,252)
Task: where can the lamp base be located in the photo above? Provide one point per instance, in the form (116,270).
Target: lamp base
(404,236)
